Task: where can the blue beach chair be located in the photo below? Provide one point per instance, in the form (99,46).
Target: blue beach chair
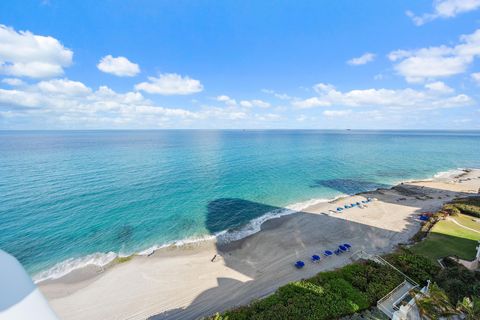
(327,253)
(299,264)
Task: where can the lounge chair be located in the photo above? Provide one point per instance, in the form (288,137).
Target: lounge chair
(327,253)
(299,264)
(315,258)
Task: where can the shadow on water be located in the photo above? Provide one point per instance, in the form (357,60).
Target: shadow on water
(231,213)
(348,186)
(290,238)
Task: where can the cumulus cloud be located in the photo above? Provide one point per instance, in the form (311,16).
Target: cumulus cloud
(255,103)
(363,59)
(336,113)
(14,82)
(281,96)
(311,103)
(63,87)
(436,95)
(439,86)
(72,104)
(476,77)
(227,100)
(445,9)
(437,62)
(23,54)
(119,66)
(170,84)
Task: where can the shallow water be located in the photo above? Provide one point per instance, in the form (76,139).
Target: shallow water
(72,194)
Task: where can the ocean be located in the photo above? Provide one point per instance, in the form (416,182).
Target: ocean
(70,198)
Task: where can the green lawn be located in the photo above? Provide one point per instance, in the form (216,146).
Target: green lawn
(448,239)
(468,221)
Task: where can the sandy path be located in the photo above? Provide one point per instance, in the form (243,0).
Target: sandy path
(182,283)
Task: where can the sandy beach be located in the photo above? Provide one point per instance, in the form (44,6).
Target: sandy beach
(183,282)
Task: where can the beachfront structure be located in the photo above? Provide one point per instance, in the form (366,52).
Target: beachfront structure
(19,297)
(398,304)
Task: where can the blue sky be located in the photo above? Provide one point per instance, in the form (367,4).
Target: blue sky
(240,64)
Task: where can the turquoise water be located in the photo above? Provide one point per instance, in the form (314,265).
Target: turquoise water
(69,194)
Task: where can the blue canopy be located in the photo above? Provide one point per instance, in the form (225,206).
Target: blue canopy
(299,264)
(347,245)
(342,247)
(315,257)
(327,253)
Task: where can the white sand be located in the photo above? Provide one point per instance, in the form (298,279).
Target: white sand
(182,282)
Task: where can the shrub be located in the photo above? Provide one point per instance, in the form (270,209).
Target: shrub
(469,206)
(327,295)
(417,267)
(458,281)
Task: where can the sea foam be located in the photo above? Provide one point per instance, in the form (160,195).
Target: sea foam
(102,259)
(65,267)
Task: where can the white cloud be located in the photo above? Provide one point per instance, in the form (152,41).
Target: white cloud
(439,86)
(437,62)
(336,113)
(254,103)
(476,77)
(281,96)
(436,96)
(363,59)
(71,104)
(119,66)
(23,54)
(170,84)
(227,100)
(445,9)
(14,82)
(311,103)
(63,87)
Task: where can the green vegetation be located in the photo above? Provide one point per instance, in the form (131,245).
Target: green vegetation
(449,239)
(458,281)
(468,221)
(357,287)
(333,294)
(469,206)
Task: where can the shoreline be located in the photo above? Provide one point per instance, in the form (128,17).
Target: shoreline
(182,282)
(101,261)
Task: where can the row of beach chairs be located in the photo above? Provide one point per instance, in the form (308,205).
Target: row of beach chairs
(327,253)
(360,204)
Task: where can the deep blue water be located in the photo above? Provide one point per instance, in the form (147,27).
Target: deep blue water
(68,194)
